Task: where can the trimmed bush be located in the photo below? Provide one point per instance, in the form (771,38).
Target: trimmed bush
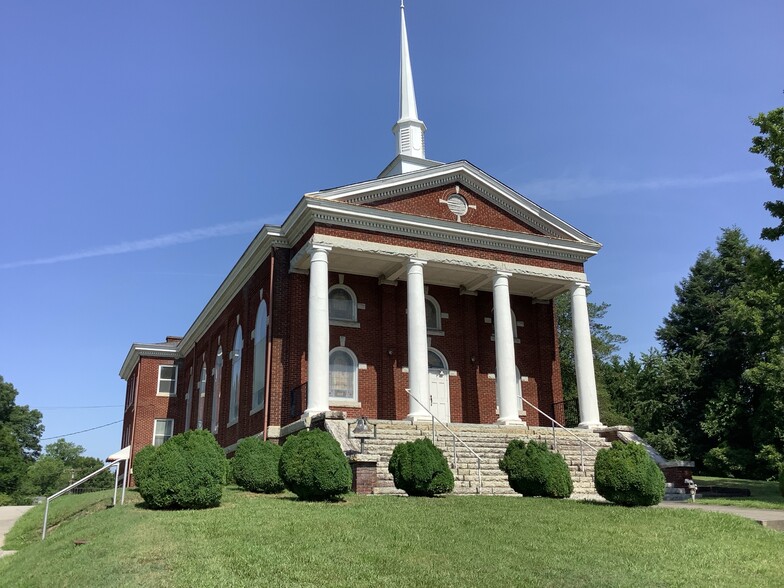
(255,466)
(420,469)
(188,471)
(312,465)
(534,470)
(626,475)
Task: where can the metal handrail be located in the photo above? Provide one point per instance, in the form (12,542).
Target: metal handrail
(87,477)
(454,438)
(555,440)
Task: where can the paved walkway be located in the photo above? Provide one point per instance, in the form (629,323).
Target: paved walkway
(8,516)
(773,519)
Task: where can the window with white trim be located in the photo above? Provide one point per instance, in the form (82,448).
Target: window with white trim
(189,401)
(519,390)
(217,372)
(167,380)
(236,369)
(260,357)
(432,314)
(342,304)
(202,394)
(514,326)
(164,429)
(342,374)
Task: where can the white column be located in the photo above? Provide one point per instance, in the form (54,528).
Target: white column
(505,373)
(418,381)
(318,332)
(583,359)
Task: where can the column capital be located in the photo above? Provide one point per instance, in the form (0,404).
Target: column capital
(315,248)
(578,286)
(413,261)
(500,274)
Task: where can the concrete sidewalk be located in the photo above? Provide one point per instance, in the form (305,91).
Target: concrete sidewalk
(8,516)
(771,518)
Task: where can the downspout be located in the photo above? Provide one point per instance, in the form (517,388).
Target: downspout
(268,362)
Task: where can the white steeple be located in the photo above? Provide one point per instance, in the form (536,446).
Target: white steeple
(409,131)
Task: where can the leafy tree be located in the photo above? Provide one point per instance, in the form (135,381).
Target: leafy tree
(23,422)
(605,345)
(722,365)
(770,143)
(78,465)
(13,465)
(46,476)
(67,452)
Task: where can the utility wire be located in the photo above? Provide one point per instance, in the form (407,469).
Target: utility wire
(77,407)
(82,431)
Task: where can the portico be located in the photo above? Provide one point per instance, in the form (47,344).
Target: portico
(415,269)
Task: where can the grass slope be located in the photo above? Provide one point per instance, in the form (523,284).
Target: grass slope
(394,541)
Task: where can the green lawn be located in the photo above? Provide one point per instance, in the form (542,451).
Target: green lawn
(763,494)
(394,541)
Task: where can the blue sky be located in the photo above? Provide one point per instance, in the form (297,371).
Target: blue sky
(143,144)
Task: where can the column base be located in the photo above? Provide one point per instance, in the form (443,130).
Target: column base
(414,418)
(513,421)
(590,425)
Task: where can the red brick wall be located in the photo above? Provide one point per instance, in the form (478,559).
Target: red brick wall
(426,203)
(150,406)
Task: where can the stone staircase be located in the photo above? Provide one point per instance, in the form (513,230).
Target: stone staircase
(489,442)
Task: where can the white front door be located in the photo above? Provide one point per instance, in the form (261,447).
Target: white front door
(439,394)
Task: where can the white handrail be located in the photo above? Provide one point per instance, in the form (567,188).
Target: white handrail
(79,482)
(454,437)
(555,442)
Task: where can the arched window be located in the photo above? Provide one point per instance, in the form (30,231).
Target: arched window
(216,389)
(519,390)
(435,361)
(189,400)
(259,357)
(432,314)
(236,369)
(202,394)
(342,374)
(514,326)
(342,304)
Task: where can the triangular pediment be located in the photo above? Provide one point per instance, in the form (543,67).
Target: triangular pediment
(458,192)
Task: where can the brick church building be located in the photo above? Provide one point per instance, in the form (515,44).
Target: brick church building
(428,289)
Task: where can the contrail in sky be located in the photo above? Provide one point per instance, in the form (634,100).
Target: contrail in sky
(179,238)
(572,188)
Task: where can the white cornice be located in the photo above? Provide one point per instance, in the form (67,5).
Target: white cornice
(139,350)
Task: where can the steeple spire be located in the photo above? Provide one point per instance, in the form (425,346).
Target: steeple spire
(409,131)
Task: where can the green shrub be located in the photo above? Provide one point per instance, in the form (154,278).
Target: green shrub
(626,475)
(5,499)
(255,466)
(420,469)
(534,470)
(312,465)
(188,471)
(728,462)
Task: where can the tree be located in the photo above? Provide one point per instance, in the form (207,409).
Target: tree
(13,465)
(46,476)
(23,422)
(722,364)
(770,143)
(77,466)
(67,452)
(605,344)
